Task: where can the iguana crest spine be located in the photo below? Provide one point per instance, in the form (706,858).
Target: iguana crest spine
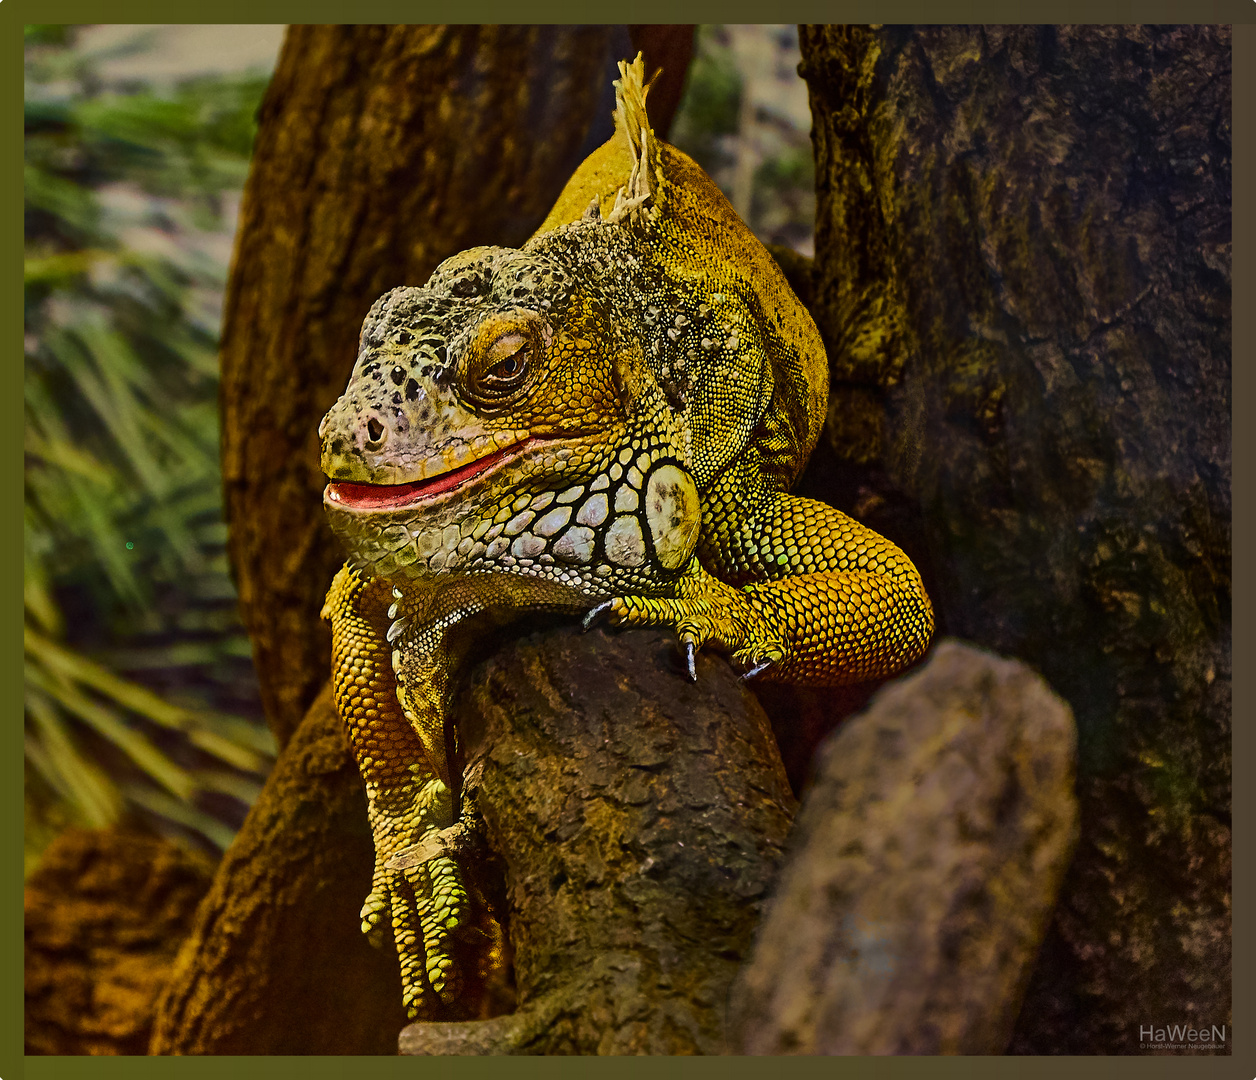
(642,194)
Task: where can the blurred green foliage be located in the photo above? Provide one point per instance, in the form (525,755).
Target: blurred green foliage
(744,119)
(709,112)
(136,666)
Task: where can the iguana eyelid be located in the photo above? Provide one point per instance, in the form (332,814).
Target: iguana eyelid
(508,350)
(505,347)
(489,388)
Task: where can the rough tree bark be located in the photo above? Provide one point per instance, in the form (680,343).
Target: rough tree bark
(637,821)
(104,914)
(1022,275)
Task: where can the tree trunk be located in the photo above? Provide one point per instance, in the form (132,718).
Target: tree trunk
(634,822)
(381,151)
(104,914)
(275,963)
(1022,275)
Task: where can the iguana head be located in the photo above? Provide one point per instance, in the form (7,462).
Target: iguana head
(461,374)
(499,375)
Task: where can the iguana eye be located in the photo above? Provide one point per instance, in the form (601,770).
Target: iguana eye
(504,363)
(502,370)
(511,366)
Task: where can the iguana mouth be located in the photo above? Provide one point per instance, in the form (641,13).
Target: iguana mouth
(397,496)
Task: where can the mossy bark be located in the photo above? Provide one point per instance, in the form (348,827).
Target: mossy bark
(1022,275)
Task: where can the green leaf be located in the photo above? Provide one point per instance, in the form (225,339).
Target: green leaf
(209,732)
(181,813)
(63,199)
(62,268)
(109,725)
(80,782)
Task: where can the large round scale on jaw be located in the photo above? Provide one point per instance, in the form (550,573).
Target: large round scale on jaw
(673,514)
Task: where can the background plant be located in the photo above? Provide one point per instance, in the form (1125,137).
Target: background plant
(138,690)
(745,119)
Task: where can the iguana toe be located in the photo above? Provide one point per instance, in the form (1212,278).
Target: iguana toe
(758,669)
(691,651)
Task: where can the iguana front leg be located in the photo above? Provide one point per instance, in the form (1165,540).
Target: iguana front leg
(407,785)
(703,611)
(816,597)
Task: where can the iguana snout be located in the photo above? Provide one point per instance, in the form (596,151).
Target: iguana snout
(403,417)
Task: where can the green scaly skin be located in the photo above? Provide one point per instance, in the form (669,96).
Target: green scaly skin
(607,421)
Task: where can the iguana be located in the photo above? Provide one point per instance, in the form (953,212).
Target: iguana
(605,421)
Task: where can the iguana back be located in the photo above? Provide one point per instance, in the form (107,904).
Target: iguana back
(697,236)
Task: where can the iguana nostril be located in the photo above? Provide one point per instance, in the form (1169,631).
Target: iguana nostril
(374,433)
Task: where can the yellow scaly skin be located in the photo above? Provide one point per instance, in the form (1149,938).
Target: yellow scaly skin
(607,421)
(424,903)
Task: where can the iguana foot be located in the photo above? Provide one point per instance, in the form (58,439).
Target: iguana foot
(426,906)
(418,890)
(705,611)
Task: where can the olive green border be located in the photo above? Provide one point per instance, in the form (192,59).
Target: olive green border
(470,11)
(14,12)
(11,334)
(1243,91)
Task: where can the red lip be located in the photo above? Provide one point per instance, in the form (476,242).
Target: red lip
(395,496)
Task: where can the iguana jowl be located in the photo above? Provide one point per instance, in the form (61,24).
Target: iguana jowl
(606,420)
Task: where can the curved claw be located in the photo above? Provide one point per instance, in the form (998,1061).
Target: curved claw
(691,653)
(756,670)
(594,614)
